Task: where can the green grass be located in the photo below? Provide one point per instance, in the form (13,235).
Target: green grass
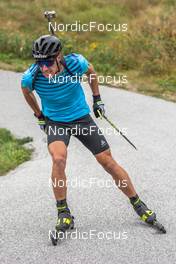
(148,48)
(12,151)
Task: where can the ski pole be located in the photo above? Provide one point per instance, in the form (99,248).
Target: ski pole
(117,129)
(49,15)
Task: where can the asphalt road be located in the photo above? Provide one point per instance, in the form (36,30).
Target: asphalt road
(108,230)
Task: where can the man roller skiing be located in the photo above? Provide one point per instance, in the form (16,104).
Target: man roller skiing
(64,108)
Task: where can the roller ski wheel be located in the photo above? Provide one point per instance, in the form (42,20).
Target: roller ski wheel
(158,226)
(54,237)
(147,215)
(64,224)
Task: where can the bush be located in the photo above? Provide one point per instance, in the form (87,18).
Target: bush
(12,153)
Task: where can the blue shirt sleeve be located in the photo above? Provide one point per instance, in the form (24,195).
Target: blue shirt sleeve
(27,78)
(84,64)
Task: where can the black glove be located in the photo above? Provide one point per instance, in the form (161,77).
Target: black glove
(41,121)
(98,106)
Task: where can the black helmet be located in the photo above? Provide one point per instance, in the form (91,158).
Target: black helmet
(46,47)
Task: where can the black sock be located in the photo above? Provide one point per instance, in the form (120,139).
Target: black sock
(61,202)
(134,199)
(62,206)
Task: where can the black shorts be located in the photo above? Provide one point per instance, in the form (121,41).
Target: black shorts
(84,128)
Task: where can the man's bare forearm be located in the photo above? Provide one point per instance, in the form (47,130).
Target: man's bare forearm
(93,81)
(32,102)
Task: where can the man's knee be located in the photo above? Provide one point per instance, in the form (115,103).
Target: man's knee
(105,159)
(59,161)
(58,153)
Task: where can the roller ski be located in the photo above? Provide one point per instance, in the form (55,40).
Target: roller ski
(147,215)
(64,223)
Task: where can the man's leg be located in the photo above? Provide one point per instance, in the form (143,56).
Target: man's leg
(58,140)
(58,151)
(97,144)
(119,175)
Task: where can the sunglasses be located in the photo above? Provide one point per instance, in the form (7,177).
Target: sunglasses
(47,63)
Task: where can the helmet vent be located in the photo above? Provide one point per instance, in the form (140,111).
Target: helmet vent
(57,48)
(43,48)
(51,47)
(41,41)
(37,47)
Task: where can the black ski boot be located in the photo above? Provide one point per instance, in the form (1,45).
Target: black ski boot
(65,222)
(146,214)
(65,219)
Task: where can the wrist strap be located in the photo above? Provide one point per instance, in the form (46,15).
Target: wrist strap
(96,98)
